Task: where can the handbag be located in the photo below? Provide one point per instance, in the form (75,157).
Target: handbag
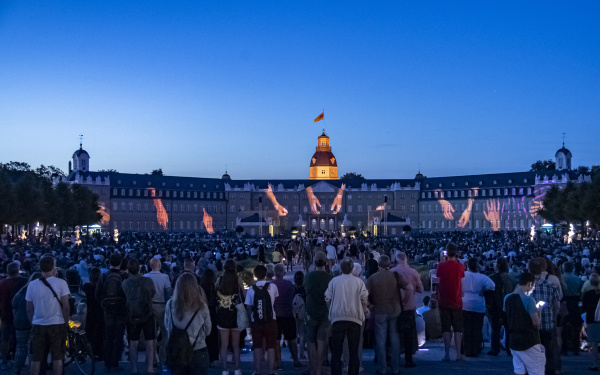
(242,315)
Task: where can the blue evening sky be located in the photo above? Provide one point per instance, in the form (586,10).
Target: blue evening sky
(189,86)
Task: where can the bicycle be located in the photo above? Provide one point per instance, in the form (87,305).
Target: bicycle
(79,349)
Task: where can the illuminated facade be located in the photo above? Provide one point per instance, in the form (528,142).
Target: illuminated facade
(142,202)
(323,165)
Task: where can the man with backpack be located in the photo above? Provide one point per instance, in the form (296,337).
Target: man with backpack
(259,304)
(138,293)
(286,323)
(48,310)
(109,293)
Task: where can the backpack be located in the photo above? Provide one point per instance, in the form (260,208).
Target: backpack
(299,307)
(138,309)
(262,309)
(113,300)
(179,349)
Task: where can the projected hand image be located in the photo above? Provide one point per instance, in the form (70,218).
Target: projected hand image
(464,218)
(336,206)
(161,215)
(447,209)
(313,201)
(207,221)
(279,208)
(492,214)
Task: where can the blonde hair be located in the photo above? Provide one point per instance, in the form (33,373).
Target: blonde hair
(186,296)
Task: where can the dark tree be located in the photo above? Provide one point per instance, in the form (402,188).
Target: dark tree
(157,172)
(542,166)
(352,176)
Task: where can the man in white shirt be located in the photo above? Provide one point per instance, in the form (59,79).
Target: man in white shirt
(162,285)
(331,254)
(48,310)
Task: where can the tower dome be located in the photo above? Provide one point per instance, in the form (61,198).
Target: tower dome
(323,164)
(563,159)
(81,160)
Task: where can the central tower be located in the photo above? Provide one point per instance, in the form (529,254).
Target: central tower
(323,165)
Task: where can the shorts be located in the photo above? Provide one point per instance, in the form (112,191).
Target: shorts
(531,361)
(452,320)
(149,328)
(48,339)
(266,332)
(317,330)
(286,326)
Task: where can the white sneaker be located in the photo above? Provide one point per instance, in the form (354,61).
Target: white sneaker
(225,372)
(237,372)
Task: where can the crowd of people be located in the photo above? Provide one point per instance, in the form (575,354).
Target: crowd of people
(191,302)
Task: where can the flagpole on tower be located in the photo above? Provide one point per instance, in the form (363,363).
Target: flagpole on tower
(324,122)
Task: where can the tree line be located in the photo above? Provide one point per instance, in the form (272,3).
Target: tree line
(28,196)
(574,203)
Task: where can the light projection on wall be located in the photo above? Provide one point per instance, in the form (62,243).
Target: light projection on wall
(449,211)
(336,206)
(105,216)
(207,220)
(493,214)
(313,201)
(279,208)
(161,215)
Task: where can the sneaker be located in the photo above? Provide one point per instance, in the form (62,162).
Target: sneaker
(237,372)
(224,372)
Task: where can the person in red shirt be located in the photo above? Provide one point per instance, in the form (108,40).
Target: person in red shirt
(449,294)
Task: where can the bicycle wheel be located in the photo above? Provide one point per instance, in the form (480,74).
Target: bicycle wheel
(83,355)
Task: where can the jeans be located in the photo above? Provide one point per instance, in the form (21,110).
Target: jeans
(548,339)
(473,325)
(159,318)
(23,341)
(7,337)
(497,321)
(113,338)
(339,330)
(384,325)
(408,330)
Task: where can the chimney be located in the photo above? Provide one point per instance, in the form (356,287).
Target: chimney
(70,167)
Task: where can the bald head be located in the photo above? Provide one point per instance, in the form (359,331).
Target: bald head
(155,264)
(401,257)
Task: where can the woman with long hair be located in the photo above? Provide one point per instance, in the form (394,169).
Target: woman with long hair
(22,325)
(230,292)
(212,339)
(94,323)
(186,305)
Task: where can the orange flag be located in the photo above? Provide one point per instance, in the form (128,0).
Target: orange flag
(320,117)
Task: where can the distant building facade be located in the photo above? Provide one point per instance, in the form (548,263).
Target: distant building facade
(385,207)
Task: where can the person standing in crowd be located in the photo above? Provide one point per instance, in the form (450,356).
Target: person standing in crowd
(331,254)
(162,287)
(299,309)
(474,284)
(523,319)
(48,310)
(229,293)
(94,320)
(291,252)
(384,291)
(372,266)
(317,313)
(573,321)
(450,273)
(8,288)
(589,302)
(346,297)
(407,327)
(259,302)
(22,325)
(433,322)
(495,307)
(548,293)
(140,317)
(286,324)
(112,299)
(212,338)
(186,308)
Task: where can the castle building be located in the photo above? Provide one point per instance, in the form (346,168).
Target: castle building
(385,207)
